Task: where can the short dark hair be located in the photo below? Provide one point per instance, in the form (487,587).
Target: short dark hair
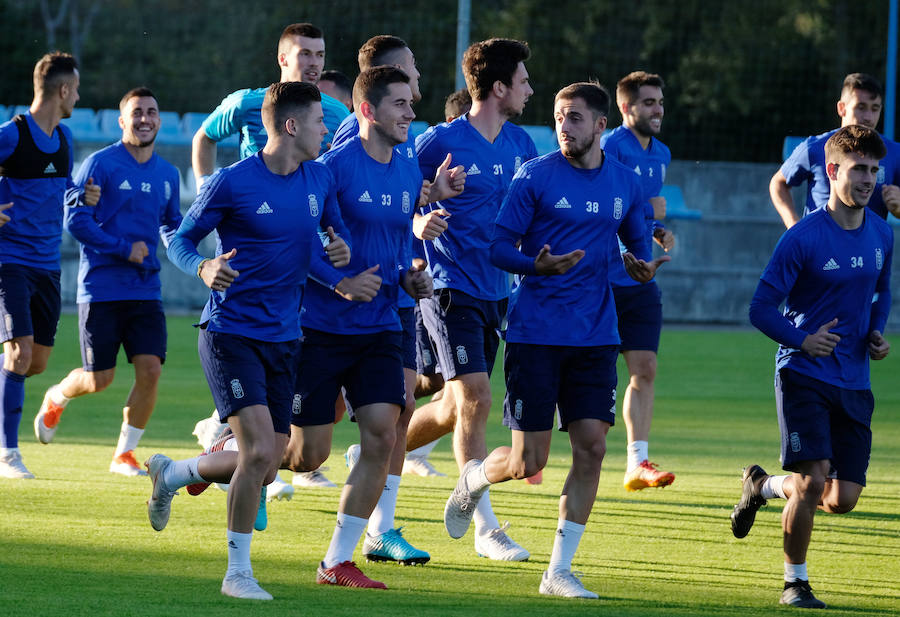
(378,49)
(629,87)
(458,103)
(855,138)
(302,29)
(490,61)
(136,92)
(338,79)
(594,95)
(372,84)
(284,99)
(861,81)
(52,70)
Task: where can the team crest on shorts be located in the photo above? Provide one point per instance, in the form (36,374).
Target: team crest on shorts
(518,411)
(879,259)
(612,409)
(9,322)
(89,355)
(236,389)
(313,205)
(295,405)
(426,356)
(405,203)
(617,208)
(461,356)
(795,442)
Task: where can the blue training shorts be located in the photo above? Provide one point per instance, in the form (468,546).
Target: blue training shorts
(242,371)
(465,331)
(639,311)
(368,366)
(820,421)
(137,325)
(29,303)
(579,381)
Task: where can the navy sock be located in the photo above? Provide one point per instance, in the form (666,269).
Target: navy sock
(12,398)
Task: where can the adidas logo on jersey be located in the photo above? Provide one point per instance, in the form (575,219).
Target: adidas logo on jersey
(365,198)
(831,265)
(125,186)
(51,169)
(264,209)
(562,203)
(473,170)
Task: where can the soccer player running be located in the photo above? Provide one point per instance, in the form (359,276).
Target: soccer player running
(119,299)
(464,316)
(266,210)
(566,209)
(386,49)
(35,180)
(352,333)
(860,103)
(638,305)
(301,57)
(832,270)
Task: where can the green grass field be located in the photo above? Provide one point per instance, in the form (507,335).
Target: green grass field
(76,541)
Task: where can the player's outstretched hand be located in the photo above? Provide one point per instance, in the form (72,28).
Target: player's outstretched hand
(448,182)
(664,237)
(360,288)
(822,342)
(216,273)
(548,264)
(4,217)
(890,194)
(878,346)
(337,250)
(417,282)
(91,193)
(138,252)
(430,226)
(640,270)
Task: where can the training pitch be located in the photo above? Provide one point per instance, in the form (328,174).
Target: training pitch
(76,541)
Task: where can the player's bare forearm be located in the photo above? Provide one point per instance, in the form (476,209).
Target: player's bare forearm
(782,200)
(203,156)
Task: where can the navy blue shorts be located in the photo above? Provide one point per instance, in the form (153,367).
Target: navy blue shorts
(579,381)
(426,354)
(368,366)
(408,344)
(137,325)
(29,303)
(243,371)
(639,311)
(465,331)
(821,421)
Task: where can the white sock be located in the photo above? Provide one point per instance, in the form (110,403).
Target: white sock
(637,453)
(424,451)
(568,536)
(476,478)
(129,437)
(773,487)
(795,572)
(347,532)
(182,473)
(239,552)
(58,397)
(382,519)
(485,520)
(7,451)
